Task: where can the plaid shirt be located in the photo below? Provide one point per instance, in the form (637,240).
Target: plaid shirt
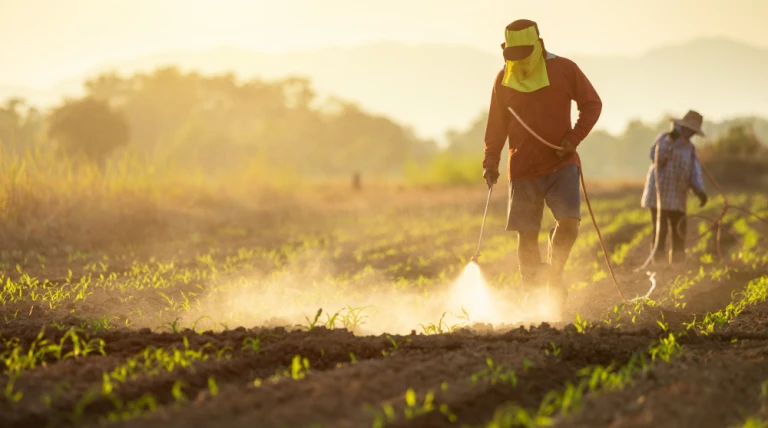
(679,170)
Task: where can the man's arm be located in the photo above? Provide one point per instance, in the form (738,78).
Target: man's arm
(496,129)
(588,103)
(696,181)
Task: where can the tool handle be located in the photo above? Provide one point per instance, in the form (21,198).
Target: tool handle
(482,226)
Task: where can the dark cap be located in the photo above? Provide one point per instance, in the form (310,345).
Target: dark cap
(516,53)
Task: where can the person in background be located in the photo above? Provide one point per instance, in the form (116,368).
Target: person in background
(679,170)
(540,86)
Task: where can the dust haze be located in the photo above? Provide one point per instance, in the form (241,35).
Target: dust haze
(372,305)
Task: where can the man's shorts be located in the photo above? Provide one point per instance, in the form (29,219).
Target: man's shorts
(560,190)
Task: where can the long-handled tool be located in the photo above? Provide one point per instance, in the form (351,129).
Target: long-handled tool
(477,253)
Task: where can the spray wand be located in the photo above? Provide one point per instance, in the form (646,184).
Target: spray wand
(482,226)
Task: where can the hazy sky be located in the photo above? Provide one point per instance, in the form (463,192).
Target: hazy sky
(45,41)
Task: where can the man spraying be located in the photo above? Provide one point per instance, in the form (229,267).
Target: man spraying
(538,87)
(678,171)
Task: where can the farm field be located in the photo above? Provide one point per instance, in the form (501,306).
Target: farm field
(356,309)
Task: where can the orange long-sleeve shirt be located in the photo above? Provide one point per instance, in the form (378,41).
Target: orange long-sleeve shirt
(547,112)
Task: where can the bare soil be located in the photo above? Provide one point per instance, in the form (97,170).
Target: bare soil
(353,380)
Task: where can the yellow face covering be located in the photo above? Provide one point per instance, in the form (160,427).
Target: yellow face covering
(528,74)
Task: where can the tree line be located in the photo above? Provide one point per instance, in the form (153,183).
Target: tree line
(219,123)
(730,146)
(214,123)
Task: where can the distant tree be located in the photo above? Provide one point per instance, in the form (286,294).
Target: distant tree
(757,125)
(626,155)
(737,157)
(468,142)
(739,141)
(20,125)
(88,128)
(466,148)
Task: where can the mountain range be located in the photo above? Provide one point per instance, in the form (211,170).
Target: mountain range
(434,88)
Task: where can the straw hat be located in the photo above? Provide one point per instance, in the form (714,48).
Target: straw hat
(692,120)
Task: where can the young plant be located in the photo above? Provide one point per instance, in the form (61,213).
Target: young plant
(213,388)
(178,392)
(311,324)
(330,321)
(495,374)
(299,367)
(11,395)
(173,326)
(581,325)
(436,328)
(665,348)
(553,350)
(354,317)
(395,345)
(251,344)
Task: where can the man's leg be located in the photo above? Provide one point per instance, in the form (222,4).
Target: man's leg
(566,232)
(564,199)
(658,255)
(678,224)
(526,209)
(529,258)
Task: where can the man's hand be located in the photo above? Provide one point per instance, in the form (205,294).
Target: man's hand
(702,199)
(491,175)
(568,149)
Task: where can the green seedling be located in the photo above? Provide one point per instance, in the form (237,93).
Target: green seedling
(494,374)
(98,325)
(299,367)
(11,395)
(354,318)
(173,326)
(512,415)
(251,344)
(395,344)
(464,316)
(381,416)
(178,392)
(414,408)
(527,364)
(386,414)
(311,324)
(213,388)
(581,325)
(202,318)
(58,326)
(436,328)
(298,370)
(755,422)
(330,322)
(81,405)
(665,348)
(144,405)
(553,350)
